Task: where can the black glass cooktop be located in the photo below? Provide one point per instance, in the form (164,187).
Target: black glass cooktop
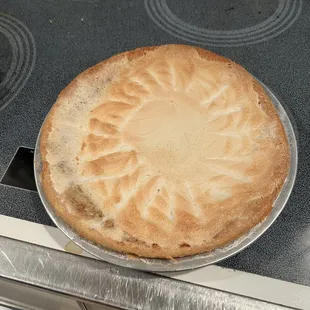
(45,44)
(20,172)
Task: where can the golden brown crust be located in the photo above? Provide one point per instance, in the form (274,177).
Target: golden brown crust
(128,230)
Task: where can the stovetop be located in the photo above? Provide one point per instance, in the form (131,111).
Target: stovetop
(45,44)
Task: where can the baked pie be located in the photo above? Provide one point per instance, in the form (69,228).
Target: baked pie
(163,151)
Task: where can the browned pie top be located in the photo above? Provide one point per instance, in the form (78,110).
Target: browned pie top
(163,151)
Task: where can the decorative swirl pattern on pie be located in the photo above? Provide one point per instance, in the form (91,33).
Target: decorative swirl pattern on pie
(163,152)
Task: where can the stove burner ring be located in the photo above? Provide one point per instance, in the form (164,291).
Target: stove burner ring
(283,18)
(23,58)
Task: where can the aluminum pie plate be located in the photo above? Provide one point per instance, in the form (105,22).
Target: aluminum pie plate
(189,262)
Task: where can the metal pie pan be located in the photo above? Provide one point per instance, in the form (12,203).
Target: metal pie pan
(189,262)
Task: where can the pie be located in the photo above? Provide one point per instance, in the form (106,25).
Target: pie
(163,151)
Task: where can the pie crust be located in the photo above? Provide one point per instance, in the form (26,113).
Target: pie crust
(163,151)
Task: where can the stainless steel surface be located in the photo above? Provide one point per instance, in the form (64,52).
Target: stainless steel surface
(184,263)
(93,306)
(82,305)
(97,281)
(8,304)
